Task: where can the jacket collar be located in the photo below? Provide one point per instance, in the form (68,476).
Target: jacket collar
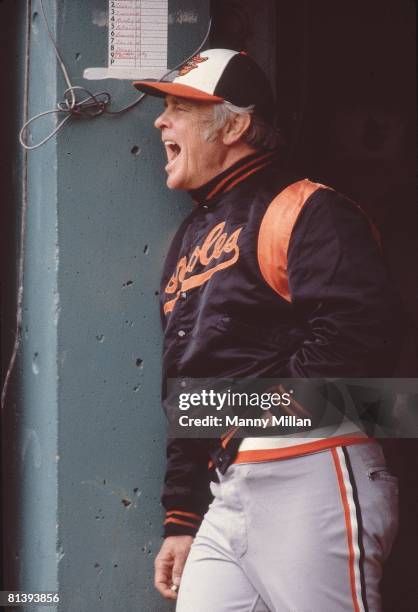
(232,176)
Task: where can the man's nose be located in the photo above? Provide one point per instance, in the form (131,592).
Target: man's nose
(161,121)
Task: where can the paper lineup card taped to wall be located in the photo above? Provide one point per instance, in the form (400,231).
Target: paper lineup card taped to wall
(137,40)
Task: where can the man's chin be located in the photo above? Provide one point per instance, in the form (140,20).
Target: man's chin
(173,183)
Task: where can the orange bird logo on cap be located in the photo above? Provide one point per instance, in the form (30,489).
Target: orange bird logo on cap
(191,64)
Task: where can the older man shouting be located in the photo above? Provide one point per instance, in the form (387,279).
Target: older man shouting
(267,277)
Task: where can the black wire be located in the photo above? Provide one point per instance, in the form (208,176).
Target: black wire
(94,104)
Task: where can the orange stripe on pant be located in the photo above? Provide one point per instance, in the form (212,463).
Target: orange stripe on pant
(346,507)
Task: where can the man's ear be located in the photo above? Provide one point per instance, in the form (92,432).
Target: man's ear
(235,128)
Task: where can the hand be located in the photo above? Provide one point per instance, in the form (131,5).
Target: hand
(169,564)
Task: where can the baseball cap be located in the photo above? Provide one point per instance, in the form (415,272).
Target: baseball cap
(219,75)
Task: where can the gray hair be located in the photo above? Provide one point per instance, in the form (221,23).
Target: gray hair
(259,135)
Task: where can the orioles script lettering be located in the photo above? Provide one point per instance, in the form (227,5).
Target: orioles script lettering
(216,244)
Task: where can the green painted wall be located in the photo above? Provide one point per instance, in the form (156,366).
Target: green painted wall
(88,428)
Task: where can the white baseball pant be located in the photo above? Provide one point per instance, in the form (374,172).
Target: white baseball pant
(304,534)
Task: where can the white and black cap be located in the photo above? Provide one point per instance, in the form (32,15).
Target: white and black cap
(219,75)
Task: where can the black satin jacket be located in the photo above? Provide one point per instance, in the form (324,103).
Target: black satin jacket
(223,318)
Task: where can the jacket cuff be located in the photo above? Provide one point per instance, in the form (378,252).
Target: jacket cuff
(180,522)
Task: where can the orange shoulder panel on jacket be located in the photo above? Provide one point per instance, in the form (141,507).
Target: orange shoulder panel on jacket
(275,232)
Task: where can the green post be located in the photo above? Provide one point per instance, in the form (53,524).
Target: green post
(87,445)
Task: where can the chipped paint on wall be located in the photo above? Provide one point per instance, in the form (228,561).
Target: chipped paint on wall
(100,18)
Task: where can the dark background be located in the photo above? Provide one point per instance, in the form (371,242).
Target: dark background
(10,185)
(345,81)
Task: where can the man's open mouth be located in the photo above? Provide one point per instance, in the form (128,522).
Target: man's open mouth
(172,150)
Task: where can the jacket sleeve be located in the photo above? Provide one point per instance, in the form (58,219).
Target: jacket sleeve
(341,292)
(186,493)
